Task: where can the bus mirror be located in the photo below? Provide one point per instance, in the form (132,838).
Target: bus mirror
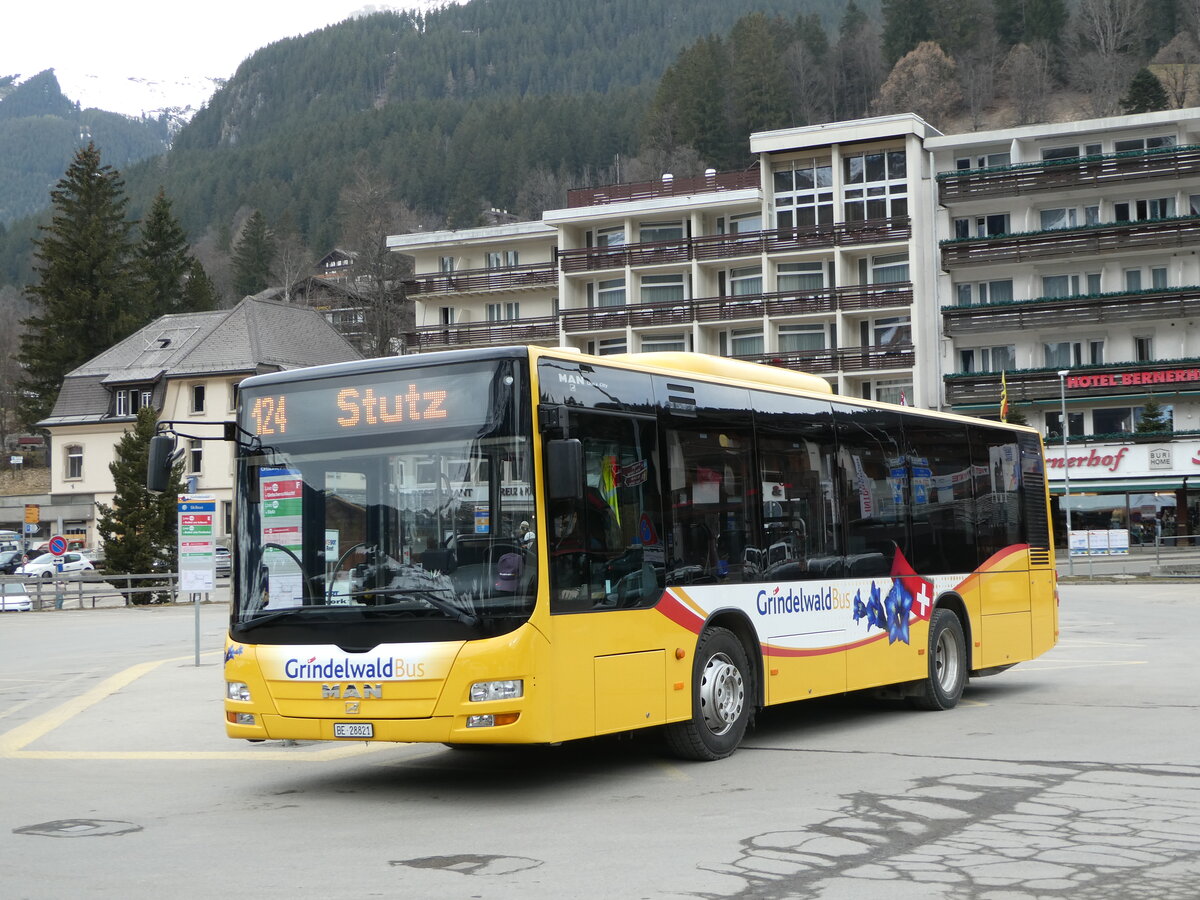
(564,470)
(158,463)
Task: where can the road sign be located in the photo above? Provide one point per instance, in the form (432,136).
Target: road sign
(31,527)
(33,513)
(58,545)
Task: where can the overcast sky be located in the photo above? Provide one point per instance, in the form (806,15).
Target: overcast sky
(157,38)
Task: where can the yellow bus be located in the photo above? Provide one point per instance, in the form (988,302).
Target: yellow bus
(530,545)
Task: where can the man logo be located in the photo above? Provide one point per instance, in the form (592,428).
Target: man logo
(352,691)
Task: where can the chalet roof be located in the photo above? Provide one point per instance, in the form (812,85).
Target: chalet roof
(255,336)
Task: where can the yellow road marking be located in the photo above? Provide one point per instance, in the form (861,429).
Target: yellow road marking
(12,743)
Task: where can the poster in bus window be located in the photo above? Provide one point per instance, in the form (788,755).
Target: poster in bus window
(1004,460)
(281,495)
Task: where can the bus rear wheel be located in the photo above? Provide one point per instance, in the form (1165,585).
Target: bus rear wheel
(947,654)
(722,699)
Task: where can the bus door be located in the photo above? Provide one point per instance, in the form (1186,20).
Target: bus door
(606,559)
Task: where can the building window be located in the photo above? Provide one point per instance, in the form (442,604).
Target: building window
(1053,153)
(610,237)
(1065,354)
(502,259)
(606,293)
(890,331)
(804,193)
(1112,421)
(233,395)
(664,343)
(74,462)
(984,292)
(876,185)
(1069,217)
(800,277)
(663,288)
(502,312)
(802,338)
(446,265)
(195,457)
(657,232)
(745,342)
(446,314)
(1143,349)
(198,398)
(1054,423)
(988,359)
(745,282)
(891,269)
(1143,210)
(1144,143)
(982,226)
(893,390)
(227,515)
(609,346)
(982,162)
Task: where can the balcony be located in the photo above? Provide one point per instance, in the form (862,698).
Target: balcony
(1123,379)
(1068,312)
(474,280)
(673,187)
(846,359)
(1060,174)
(1090,240)
(542,330)
(729,309)
(731,246)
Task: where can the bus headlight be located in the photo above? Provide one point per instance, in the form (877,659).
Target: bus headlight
(237,690)
(497,690)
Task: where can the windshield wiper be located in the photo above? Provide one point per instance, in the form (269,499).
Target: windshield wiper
(430,597)
(248,624)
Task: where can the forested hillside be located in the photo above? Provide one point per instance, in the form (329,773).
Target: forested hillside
(40,130)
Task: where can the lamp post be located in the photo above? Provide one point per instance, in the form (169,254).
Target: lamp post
(1062,388)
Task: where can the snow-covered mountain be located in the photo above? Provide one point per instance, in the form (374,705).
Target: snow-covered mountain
(138,95)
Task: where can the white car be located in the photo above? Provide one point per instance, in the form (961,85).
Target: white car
(46,565)
(14,597)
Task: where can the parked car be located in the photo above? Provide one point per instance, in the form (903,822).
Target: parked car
(10,560)
(46,565)
(14,597)
(224,561)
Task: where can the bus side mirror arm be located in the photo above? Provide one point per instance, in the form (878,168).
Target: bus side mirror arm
(564,470)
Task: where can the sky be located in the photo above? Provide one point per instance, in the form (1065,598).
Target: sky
(90,43)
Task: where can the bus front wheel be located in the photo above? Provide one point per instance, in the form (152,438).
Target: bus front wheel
(722,699)
(947,654)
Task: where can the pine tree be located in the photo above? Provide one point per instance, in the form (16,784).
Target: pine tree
(200,294)
(1146,94)
(1031,21)
(82,297)
(163,260)
(906,23)
(252,257)
(1155,417)
(139,527)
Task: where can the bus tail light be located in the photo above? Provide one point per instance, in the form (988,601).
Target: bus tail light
(482,691)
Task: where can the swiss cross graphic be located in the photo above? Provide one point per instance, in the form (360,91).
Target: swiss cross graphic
(920,589)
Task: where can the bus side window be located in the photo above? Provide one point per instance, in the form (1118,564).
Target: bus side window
(606,550)
(797,459)
(712,497)
(943,504)
(995,460)
(874,488)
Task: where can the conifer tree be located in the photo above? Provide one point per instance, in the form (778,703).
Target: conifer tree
(1155,417)
(200,293)
(138,528)
(1146,94)
(906,23)
(252,257)
(83,297)
(163,260)
(1031,21)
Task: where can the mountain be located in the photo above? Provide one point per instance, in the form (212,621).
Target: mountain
(40,130)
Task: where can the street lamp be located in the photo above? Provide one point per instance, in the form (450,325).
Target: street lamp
(1062,388)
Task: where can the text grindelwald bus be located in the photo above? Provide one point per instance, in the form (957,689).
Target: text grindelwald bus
(527,545)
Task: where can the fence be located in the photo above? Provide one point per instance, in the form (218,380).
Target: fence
(91,589)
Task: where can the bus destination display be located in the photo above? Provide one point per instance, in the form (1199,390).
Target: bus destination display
(350,406)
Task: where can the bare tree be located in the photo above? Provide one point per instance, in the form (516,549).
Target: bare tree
(810,83)
(369,212)
(1106,38)
(1176,66)
(1027,81)
(293,260)
(923,81)
(542,189)
(977,67)
(858,71)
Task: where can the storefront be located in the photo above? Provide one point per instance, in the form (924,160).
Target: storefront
(1148,489)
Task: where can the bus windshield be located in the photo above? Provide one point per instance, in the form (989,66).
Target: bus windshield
(390,507)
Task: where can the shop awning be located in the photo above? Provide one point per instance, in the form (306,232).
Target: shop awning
(1123,485)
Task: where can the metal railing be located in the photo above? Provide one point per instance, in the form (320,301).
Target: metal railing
(91,589)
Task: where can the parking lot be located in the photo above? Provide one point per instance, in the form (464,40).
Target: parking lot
(1073,776)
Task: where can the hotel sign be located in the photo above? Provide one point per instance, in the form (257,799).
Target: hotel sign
(1112,460)
(1134,379)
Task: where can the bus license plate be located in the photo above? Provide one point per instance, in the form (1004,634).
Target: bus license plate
(353,730)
